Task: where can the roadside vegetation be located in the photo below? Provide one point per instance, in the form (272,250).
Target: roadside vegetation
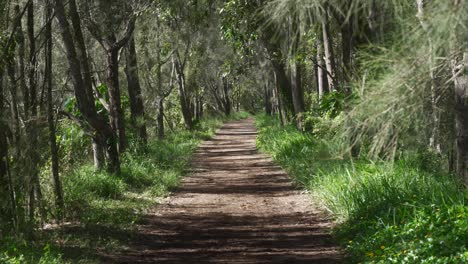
(406,211)
(105,208)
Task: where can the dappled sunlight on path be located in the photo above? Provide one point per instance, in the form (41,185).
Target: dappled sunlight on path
(236,206)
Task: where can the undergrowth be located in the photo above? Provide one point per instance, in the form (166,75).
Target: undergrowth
(102,208)
(408,211)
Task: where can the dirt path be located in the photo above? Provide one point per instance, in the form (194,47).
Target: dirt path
(237,206)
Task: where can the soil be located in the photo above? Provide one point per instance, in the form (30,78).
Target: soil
(235,206)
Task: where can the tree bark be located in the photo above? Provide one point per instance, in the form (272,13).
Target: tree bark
(320,67)
(284,86)
(161,119)
(115,104)
(347,40)
(98,153)
(31,126)
(279,67)
(297,94)
(134,91)
(50,115)
(267,96)
(183,97)
(459,68)
(329,54)
(226,99)
(4,209)
(280,103)
(435,112)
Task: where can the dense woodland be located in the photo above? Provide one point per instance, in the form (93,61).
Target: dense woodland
(97,97)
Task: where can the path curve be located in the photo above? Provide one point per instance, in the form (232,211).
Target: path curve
(236,206)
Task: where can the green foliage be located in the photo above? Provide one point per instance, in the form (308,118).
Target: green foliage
(403,212)
(99,201)
(14,251)
(240,21)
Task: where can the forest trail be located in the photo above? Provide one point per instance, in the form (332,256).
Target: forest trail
(236,206)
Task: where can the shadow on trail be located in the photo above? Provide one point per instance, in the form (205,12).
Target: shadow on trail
(235,206)
(225,238)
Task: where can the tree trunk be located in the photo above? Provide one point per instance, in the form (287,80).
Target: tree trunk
(115,105)
(284,86)
(226,99)
(82,84)
(347,48)
(280,103)
(134,91)
(320,71)
(459,65)
(297,94)
(50,115)
(4,190)
(435,112)
(267,96)
(161,119)
(98,154)
(329,54)
(14,105)
(31,127)
(184,100)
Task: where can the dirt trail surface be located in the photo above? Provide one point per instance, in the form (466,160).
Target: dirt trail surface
(236,206)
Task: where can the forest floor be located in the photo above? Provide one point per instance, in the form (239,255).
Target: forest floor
(235,206)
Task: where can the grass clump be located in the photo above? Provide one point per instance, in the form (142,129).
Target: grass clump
(406,211)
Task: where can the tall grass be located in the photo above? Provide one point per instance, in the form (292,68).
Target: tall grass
(403,212)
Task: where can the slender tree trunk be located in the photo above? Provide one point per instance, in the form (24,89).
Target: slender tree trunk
(280,103)
(267,96)
(81,51)
(329,54)
(4,208)
(434,139)
(98,154)
(279,67)
(347,37)
(20,39)
(460,77)
(161,119)
(226,99)
(50,115)
(115,104)
(14,104)
(297,92)
(184,100)
(320,67)
(284,86)
(134,91)
(32,60)
(200,107)
(31,127)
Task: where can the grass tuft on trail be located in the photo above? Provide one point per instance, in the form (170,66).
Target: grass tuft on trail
(402,212)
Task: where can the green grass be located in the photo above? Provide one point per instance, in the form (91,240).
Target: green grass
(403,212)
(102,208)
